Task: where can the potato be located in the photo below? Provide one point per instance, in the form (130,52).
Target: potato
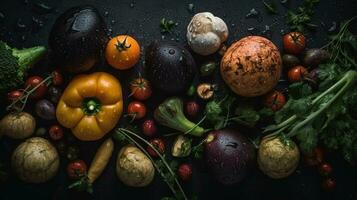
(276,159)
(133,167)
(251,66)
(17,125)
(35,160)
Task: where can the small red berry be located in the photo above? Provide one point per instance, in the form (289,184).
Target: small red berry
(329,184)
(192,108)
(185,172)
(14,95)
(325,169)
(57,78)
(149,128)
(56,132)
(159,144)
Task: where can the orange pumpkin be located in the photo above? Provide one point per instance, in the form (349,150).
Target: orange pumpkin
(251,66)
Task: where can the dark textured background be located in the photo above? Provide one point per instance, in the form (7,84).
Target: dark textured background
(141,19)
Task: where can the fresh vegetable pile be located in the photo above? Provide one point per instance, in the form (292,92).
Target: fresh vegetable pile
(198,119)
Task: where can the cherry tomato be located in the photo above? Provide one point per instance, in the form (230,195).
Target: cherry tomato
(57,78)
(315,158)
(14,95)
(329,184)
(184,172)
(274,100)
(56,132)
(140,89)
(122,52)
(41,90)
(192,109)
(325,169)
(159,144)
(137,110)
(76,169)
(149,128)
(294,42)
(297,74)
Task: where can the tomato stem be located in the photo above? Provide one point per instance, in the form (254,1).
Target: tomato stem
(121,46)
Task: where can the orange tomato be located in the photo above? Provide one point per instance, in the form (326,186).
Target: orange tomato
(122,52)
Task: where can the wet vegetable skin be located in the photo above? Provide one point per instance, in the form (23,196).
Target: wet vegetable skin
(91,105)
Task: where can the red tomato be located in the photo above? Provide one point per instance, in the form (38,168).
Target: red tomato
(315,158)
(297,74)
(192,108)
(149,128)
(325,169)
(137,110)
(56,132)
(159,144)
(294,42)
(57,78)
(76,169)
(140,89)
(14,95)
(329,184)
(41,90)
(184,172)
(274,100)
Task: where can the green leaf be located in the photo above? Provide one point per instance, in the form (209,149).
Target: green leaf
(270,7)
(307,137)
(299,90)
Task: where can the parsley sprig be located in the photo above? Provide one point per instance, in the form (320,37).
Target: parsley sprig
(301,18)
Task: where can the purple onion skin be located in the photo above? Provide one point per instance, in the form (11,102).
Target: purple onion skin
(229,156)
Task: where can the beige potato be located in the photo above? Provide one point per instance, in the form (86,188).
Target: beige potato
(35,160)
(276,159)
(251,66)
(133,167)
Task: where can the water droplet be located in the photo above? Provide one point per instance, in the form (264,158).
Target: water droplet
(172,51)
(333,27)
(2,16)
(252,13)
(112,22)
(191,8)
(20,25)
(106,13)
(23,38)
(132,4)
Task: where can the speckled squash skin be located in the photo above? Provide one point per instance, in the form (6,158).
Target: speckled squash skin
(35,160)
(251,66)
(276,159)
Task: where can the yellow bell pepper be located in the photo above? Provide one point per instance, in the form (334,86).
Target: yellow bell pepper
(91,105)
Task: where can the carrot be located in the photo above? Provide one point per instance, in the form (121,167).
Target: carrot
(100,160)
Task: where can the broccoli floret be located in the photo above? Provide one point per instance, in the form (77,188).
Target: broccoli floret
(14,63)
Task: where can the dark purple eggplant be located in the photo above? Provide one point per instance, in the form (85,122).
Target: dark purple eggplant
(290,60)
(170,67)
(78,38)
(229,155)
(45,110)
(314,57)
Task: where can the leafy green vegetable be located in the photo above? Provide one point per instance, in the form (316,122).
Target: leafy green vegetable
(14,63)
(166,25)
(324,114)
(301,18)
(170,114)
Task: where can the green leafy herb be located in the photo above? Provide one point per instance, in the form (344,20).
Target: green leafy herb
(166,25)
(271,7)
(325,114)
(301,18)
